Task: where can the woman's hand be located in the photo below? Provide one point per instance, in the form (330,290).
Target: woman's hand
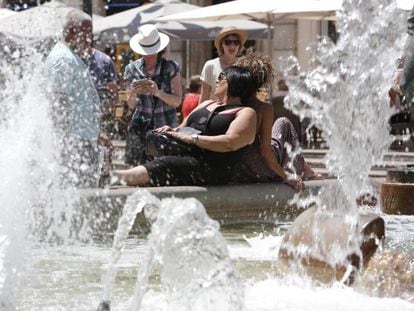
(140,88)
(164,129)
(295,182)
(153,89)
(181,137)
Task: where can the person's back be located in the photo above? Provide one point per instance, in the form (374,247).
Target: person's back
(192,98)
(266,160)
(102,69)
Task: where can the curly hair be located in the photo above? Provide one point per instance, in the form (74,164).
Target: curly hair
(261,67)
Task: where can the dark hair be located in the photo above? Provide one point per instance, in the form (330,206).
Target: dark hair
(240,83)
(195,84)
(160,54)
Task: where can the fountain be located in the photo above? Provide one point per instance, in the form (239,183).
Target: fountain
(52,257)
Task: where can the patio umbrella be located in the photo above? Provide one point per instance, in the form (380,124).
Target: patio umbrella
(120,27)
(263,10)
(260,10)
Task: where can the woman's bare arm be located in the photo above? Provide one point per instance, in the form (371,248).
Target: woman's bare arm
(240,133)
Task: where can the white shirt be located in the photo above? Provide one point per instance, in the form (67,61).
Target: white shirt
(211,70)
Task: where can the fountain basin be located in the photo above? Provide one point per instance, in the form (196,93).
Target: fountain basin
(397,193)
(228,204)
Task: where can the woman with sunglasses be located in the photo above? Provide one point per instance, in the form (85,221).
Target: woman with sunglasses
(268,159)
(229,43)
(227,127)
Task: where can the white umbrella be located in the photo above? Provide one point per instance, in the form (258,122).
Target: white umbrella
(120,27)
(260,10)
(264,10)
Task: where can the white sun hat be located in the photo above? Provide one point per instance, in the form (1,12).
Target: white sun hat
(148,40)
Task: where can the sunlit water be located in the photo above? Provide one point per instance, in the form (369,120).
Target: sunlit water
(69,278)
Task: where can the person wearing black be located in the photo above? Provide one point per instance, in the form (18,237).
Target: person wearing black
(226,126)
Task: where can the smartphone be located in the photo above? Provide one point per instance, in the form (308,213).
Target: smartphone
(141,82)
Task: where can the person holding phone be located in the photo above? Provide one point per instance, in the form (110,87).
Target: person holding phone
(226,127)
(229,44)
(154,90)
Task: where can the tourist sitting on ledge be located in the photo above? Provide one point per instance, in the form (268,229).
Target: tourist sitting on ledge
(268,158)
(226,127)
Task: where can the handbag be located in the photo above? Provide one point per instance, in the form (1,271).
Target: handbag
(135,142)
(161,144)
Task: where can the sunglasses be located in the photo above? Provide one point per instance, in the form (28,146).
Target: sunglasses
(221,77)
(229,42)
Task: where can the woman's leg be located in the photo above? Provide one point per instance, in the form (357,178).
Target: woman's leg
(284,132)
(283,135)
(136,176)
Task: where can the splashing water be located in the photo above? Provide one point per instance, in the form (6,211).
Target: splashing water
(346,94)
(133,206)
(37,205)
(196,267)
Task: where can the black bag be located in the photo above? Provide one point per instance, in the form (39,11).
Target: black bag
(161,144)
(135,143)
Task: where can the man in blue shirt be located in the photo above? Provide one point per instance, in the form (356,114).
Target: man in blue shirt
(76,104)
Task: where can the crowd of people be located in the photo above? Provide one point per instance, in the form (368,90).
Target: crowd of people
(234,137)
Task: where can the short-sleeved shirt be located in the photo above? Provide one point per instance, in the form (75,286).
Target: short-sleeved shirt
(150,107)
(102,69)
(211,70)
(67,74)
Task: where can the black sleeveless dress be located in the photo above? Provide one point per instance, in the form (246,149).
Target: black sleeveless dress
(203,167)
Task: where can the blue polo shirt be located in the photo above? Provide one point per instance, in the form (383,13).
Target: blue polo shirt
(68,75)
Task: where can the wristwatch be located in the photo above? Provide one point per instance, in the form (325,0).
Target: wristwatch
(194,138)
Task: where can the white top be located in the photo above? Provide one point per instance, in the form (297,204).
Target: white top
(211,70)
